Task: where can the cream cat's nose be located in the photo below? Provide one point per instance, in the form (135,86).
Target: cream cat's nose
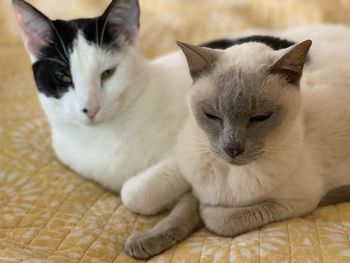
(234,150)
(91,113)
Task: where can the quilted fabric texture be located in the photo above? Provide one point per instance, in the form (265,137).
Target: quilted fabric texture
(49,214)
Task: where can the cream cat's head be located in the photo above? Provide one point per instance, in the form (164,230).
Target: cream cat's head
(245,96)
(84,69)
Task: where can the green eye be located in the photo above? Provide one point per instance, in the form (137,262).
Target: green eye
(107,73)
(63,77)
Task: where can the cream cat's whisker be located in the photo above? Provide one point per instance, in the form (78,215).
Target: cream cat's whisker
(194,137)
(199,142)
(274,158)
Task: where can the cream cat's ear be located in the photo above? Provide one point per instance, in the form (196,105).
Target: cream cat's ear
(122,17)
(290,62)
(200,60)
(35,26)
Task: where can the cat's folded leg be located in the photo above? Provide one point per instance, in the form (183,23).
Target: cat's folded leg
(155,189)
(227,221)
(178,225)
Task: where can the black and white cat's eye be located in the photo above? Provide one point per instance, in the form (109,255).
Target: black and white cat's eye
(260,118)
(63,77)
(107,73)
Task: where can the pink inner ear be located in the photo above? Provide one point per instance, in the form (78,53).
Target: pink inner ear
(34,35)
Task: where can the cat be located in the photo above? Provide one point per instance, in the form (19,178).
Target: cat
(261,144)
(148,193)
(111,112)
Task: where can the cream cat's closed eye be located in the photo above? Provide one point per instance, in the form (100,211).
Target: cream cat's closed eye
(260,118)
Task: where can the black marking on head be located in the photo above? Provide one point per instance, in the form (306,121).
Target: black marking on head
(46,80)
(273,42)
(54,57)
(109,31)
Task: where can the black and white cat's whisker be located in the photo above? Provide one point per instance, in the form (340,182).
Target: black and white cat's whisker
(60,39)
(110,45)
(96,31)
(63,57)
(104,27)
(62,63)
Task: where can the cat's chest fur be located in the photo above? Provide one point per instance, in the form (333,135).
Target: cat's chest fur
(104,155)
(214,181)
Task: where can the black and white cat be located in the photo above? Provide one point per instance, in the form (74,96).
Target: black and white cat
(112,113)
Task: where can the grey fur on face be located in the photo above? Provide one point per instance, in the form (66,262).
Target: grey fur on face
(239,109)
(245,111)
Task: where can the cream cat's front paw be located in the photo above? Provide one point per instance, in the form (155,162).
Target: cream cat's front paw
(147,244)
(215,222)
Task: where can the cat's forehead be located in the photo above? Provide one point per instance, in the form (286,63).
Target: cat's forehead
(236,85)
(67,34)
(242,91)
(247,56)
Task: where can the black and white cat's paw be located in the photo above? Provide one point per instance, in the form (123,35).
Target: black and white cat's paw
(147,244)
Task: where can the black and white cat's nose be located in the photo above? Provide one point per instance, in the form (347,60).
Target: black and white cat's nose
(91,113)
(233,150)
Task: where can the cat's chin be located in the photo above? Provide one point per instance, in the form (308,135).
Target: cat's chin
(91,123)
(240,161)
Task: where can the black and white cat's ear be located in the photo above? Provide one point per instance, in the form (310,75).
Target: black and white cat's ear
(290,62)
(35,26)
(200,60)
(122,17)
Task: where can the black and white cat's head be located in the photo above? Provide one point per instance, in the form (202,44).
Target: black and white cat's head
(246,98)
(82,68)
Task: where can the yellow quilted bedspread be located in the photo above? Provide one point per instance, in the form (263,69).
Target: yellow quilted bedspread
(49,214)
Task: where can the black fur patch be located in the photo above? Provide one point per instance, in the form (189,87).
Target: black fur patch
(273,42)
(54,57)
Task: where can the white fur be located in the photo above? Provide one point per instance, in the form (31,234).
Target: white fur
(312,153)
(142,110)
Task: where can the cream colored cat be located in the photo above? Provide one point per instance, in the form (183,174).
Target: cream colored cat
(261,144)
